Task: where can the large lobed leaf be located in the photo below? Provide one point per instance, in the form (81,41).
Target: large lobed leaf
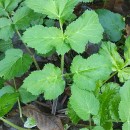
(55,9)
(48,81)
(85,29)
(45,39)
(112,23)
(88,72)
(14,64)
(85,104)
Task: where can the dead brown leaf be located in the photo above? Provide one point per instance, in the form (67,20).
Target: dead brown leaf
(44,122)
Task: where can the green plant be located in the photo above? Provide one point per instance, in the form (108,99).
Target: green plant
(93,97)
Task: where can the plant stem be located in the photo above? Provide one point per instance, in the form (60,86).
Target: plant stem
(90,123)
(33,57)
(12,125)
(62,65)
(19,105)
(110,77)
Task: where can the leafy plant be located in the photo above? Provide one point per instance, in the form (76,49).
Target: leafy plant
(94,97)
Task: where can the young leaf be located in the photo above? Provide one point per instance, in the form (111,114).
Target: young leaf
(127,51)
(23,17)
(55,9)
(5,45)
(30,123)
(15,63)
(6,30)
(108,92)
(85,29)
(6,89)
(7,101)
(112,23)
(95,68)
(85,104)
(9,5)
(48,80)
(26,96)
(109,50)
(45,39)
(124,74)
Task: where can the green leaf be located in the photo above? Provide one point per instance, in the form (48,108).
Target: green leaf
(45,39)
(85,104)
(48,80)
(9,5)
(109,50)
(30,123)
(108,93)
(98,128)
(112,23)
(6,30)
(113,107)
(125,91)
(6,89)
(124,106)
(3,12)
(84,129)
(127,51)
(14,64)
(72,114)
(23,17)
(85,29)
(95,68)
(126,126)
(26,96)
(124,111)
(124,74)
(55,9)
(7,101)
(5,45)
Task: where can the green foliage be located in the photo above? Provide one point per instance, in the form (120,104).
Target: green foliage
(14,64)
(24,15)
(112,23)
(49,26)
(89,72)
(123,108)
(6,29)
(72,114)
(7,101)
(85,28)
(85,104)
(6,89)
(48,80)
(5,45)
(109,50)
(26,96)
(36,36)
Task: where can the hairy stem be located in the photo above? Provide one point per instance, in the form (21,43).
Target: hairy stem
(33,57)
(12,125)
